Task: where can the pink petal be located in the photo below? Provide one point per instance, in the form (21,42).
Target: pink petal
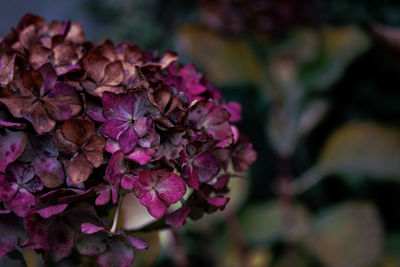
(177,218)
(114,128)
(89,228)
(170,189)
(128,139)
(52,210)
(154,204)
(137,242)
(140,156)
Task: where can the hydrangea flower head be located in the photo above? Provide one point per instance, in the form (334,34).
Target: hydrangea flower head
(84,124)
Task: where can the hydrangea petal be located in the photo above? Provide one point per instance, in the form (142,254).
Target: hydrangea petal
(89,228)
(177,218)
(170,189)
(154,204)
(52,210)
(11,147)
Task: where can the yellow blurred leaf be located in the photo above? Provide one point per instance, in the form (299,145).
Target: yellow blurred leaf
(226,60)
(349,235)
(269,221)
(363,148)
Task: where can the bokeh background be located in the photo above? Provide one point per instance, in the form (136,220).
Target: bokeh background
(319,81)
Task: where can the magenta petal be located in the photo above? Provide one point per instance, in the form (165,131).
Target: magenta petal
(114,128)
(118,106)
(11,146)
(13,125)
(128,139)
(128,181)
(141,125)
(206,167)
(177,218)
(171,189)
(140,156)
(217,201)
(112,146)
(52,210)
(103,195)
(21,203)
(119,254)
(221,182)
(235,110)
(96,114)
(89,228)
(154,204)
(137,242)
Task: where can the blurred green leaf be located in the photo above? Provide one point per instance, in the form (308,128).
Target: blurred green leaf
(350,234)
(265,222)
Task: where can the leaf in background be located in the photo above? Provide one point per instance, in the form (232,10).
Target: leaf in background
(363,148)
(339,46)
(348,235)
(227,61)
(264,222)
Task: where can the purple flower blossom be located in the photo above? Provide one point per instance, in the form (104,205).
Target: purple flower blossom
(158,190)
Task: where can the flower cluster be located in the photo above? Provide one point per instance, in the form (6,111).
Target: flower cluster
(81,125)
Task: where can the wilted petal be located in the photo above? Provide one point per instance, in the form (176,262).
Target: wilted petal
(77,131)
(93,150)
(50,171)
(62,103)
(79,169)
(235,110)
(113,74)
(11,147)
(206,167)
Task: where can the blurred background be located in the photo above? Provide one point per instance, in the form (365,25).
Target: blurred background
(319,81)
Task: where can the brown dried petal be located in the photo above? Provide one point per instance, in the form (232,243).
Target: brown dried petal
(64,54)
(39,55)
(32,79)
(94,64)
(56,106)
(93,150)
(79,169)
(7,72)
(64,145)
(27,37)
(77,131)
(75,33)
(37,115)
(113,74)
